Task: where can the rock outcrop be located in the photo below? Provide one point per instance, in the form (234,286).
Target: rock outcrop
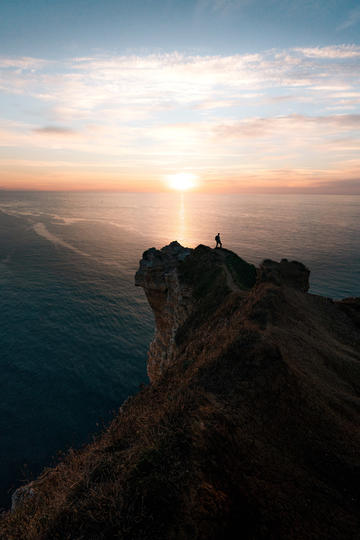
(176,285)
(249,428)
(294,274)
(20,495)
(170,300)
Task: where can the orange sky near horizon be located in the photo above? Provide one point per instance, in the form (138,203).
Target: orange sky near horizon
(266,181)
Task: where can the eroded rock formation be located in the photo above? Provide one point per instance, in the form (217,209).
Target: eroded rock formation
(169,298)
(294,274)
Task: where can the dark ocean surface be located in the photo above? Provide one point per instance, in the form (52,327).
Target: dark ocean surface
(74,330)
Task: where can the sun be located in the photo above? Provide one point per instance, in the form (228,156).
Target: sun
(182,181)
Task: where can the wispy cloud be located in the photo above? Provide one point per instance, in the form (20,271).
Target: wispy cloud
(332,52)
(336,187)
(54,130)
(260,127)
(23,62)
(165,81)
(352,19)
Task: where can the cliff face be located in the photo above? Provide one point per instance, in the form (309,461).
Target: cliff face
(249,429)
(170,300)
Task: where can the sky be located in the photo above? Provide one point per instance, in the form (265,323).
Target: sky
(222,95)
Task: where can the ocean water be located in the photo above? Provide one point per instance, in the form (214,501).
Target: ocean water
(74,330)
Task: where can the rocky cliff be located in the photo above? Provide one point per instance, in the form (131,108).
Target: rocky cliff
(177,281)
(249,428)
(170,299)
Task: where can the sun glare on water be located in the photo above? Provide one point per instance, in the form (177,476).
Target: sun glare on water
(182,181)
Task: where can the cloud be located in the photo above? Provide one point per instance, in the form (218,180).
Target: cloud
(336,187)
(244,112)
(277,99)
(54,130)
(300,124)
(332,52)
(24,62)
(352,19)
(141,86)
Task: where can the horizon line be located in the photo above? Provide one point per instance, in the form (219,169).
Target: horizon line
(104,190)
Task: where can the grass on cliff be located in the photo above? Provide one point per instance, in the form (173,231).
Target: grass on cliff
(206,270)
(245,443)
(114,487)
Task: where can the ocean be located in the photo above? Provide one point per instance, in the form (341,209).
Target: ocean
(74,330)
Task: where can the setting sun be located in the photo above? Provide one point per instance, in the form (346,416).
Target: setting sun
(182,181)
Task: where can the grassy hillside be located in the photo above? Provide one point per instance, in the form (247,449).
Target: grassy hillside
(251,433)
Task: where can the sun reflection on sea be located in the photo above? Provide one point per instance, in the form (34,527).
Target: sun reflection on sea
(182,220)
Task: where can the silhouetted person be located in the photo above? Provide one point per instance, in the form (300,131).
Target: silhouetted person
(218,241)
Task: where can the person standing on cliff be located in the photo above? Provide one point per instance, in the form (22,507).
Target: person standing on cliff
(218,241)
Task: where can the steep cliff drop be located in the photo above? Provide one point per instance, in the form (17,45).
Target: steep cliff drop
(249,428)
(170,300)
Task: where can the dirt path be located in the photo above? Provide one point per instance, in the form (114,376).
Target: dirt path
(229,279)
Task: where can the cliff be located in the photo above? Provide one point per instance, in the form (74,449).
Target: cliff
(249,428)
(179,283)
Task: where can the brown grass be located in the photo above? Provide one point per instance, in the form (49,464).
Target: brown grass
(252,433)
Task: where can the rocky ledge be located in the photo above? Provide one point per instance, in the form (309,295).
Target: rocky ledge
(178,280)
(249,428)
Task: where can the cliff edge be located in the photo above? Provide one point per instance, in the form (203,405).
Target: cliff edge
(178,283)
(249,428)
